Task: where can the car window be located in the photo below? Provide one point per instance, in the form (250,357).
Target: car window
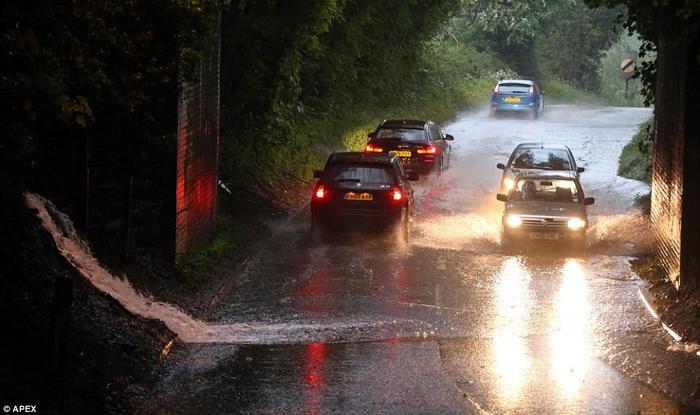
(403,134)
(369,174)
(557,190)
(541,158)
(513,87)
(435,132)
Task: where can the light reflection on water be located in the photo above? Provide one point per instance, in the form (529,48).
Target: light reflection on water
(571,338)
(510,354)
(518,366)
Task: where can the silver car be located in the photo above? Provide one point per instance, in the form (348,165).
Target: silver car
(545,206)
(534,157)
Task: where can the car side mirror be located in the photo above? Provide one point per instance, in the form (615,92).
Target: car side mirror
(589,201)
(501,197)
(413,177)
(501,166)
(542,92)
(449,137)
(580,170)
(371,135)
(318,174)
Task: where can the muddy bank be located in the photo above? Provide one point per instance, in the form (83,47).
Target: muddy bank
(107,351)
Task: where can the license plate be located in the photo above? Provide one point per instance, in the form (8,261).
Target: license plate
(358,196)
(401,153)
(544,235)
(512,99)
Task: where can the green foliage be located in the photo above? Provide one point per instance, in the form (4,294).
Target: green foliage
(612,86)
(557,91)
(545,40)
(198,265)
(299,81)
(636,158)
(645,18)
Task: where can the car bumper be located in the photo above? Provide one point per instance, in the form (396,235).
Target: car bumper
(376,215)
(544,234)
(419,166)
(513,107)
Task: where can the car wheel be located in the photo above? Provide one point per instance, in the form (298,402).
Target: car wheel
(532,115)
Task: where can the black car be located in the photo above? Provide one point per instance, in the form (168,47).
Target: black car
(420,145)
(364,188)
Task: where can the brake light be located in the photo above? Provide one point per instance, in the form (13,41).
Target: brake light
(396,194)
(531,90)
(320,192)
(427,150)
(372,149)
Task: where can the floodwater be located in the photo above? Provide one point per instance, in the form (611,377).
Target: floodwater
(444,324)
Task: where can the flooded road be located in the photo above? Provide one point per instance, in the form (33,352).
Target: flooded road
(446,324)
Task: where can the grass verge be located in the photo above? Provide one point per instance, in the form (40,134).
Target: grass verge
(635,160)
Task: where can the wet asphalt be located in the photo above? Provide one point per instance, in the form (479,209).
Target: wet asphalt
(361,323)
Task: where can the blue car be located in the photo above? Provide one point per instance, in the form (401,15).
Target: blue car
(517,96)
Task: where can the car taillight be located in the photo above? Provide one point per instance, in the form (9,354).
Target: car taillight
(531,90)
(396,195)
(320,192)
(372,149)
(495,89)
(427,150)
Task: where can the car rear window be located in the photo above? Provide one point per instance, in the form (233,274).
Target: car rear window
(360,173)
(403,134)
(541,158)
(558,190)
(511,88)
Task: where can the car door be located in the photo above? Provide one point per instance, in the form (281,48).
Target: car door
(438,140)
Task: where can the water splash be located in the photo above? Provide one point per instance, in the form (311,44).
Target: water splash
(626,234)
(187,328)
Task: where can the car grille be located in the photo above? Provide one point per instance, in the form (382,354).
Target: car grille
(546,223)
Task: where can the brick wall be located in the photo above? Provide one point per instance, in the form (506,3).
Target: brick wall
(198,153)
(676,178)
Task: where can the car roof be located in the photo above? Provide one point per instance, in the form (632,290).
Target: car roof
(516,81)
(542,145)
(360,157)
(401,123)
(557,174)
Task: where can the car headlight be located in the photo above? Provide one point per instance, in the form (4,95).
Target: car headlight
(513,221)
(508,183)
(576,223)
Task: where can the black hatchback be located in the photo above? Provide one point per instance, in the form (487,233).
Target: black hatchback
(363,188)
(420,145)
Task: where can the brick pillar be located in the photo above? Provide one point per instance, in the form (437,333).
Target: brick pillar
(198,153)
(674,202)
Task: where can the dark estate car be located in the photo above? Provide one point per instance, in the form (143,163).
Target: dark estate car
(534,157)
(421,146)
(545,205)
(517,96)
(364,188)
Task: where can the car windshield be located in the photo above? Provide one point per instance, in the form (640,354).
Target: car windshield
(546,190)
(360,173)
(403,134)
(510,88)
(541,158)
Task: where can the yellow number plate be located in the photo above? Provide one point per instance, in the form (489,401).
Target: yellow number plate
(403,153)
(512,99)
(358,196)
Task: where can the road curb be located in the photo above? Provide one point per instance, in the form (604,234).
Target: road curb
(647,299)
